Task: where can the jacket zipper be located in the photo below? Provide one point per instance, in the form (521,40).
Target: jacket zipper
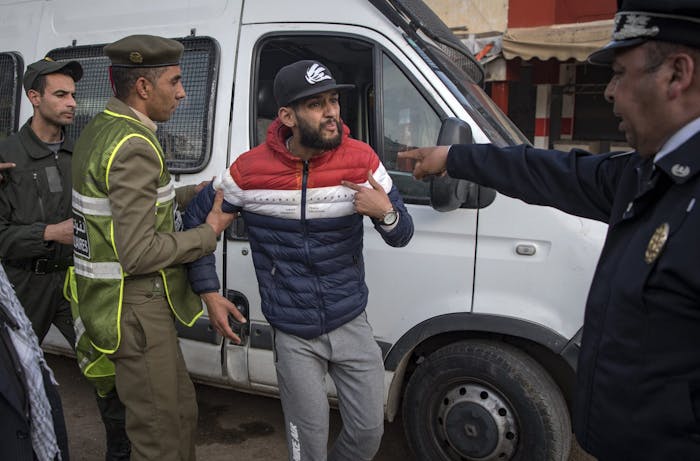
(304,184)
(38,194)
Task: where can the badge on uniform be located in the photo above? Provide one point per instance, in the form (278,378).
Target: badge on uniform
(656,243)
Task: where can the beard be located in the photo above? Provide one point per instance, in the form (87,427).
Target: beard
(310,137)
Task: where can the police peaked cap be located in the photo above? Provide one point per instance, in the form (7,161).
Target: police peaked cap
(637,21)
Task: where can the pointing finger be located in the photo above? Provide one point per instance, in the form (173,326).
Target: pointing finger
(373,181)
(414,154)
(351,185)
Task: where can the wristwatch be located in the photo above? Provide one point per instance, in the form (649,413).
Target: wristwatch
(390,217)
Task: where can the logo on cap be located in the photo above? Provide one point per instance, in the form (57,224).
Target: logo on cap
(316,73)
(636,25)
(135,57)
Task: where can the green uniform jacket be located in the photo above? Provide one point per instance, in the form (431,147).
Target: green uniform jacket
(133,180)
(35,193)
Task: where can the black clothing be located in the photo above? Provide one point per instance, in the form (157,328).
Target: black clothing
(35,193)
(14,409)
(638,381)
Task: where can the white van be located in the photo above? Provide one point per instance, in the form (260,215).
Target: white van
(479,317)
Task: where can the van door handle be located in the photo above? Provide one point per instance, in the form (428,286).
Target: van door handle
(237,230)
(526,249)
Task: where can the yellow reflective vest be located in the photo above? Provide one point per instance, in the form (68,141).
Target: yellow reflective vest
(99,277)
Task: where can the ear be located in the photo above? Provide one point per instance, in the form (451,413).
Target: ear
(683,68)
(143,87)
(34,97)
(287,116)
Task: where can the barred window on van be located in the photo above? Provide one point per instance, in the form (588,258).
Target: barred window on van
(11,67)
(187,137)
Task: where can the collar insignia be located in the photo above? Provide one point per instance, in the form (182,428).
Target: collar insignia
(680,171)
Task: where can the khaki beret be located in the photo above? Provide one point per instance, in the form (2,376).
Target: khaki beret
(144,51)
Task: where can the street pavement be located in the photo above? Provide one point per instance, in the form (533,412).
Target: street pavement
(232,425)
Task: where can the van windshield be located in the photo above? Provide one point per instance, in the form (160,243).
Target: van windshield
(453,64)
(500,130)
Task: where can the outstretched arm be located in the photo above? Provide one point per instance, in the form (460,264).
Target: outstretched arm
(202,272)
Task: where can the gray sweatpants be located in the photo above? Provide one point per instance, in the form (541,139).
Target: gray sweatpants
(351,357)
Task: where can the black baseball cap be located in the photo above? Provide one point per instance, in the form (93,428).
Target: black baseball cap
(49,66)
(303,79)
(638,21)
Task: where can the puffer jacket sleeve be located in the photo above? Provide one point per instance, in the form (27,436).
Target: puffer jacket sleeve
(400,235)
(202,272)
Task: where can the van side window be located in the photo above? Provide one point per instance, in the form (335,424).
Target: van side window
(385,110)
(11,67)
(409,121)
(187,137)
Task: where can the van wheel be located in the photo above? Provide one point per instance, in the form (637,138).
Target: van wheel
(484,401)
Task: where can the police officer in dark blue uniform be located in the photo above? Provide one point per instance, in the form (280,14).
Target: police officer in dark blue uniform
(638,384)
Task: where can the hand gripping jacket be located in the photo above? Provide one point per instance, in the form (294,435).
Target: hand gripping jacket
(99,276)
(304,232)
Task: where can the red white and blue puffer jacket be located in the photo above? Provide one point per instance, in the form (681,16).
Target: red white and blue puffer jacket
(305,235)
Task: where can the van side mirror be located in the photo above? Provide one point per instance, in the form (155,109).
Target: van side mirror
(447,194)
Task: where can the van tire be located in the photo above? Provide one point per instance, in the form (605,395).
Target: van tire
(484,400)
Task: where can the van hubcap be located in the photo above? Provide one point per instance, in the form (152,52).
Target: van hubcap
(476,423)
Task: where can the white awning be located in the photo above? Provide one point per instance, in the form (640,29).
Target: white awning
(560,41)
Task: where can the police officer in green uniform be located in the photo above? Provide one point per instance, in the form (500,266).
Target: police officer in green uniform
(130,279)
(36,229)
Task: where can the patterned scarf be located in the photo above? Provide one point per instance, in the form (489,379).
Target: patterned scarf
(31,359)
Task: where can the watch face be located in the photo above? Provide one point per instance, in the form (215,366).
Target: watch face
(390,217)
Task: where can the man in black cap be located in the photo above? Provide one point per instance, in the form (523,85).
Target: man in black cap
(303,194)
(129,279)
(638,388)
(36,227)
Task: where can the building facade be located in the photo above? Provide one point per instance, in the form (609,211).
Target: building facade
(534,53)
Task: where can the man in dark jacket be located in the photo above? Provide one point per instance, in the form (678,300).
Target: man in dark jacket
(36,228)
(638,389)
(303,194)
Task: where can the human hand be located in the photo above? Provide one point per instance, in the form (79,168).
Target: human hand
(218,308)
(5,166)
(216,218)
(372,202)
(428,160)
(60,232)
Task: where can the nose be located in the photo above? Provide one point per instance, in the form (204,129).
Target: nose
(330,109)
(180,93)
(71,101)
(609,93)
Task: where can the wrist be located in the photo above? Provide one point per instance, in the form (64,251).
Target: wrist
(389,217)
(47,234)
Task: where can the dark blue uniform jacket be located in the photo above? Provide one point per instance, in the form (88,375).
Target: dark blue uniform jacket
(638,383)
